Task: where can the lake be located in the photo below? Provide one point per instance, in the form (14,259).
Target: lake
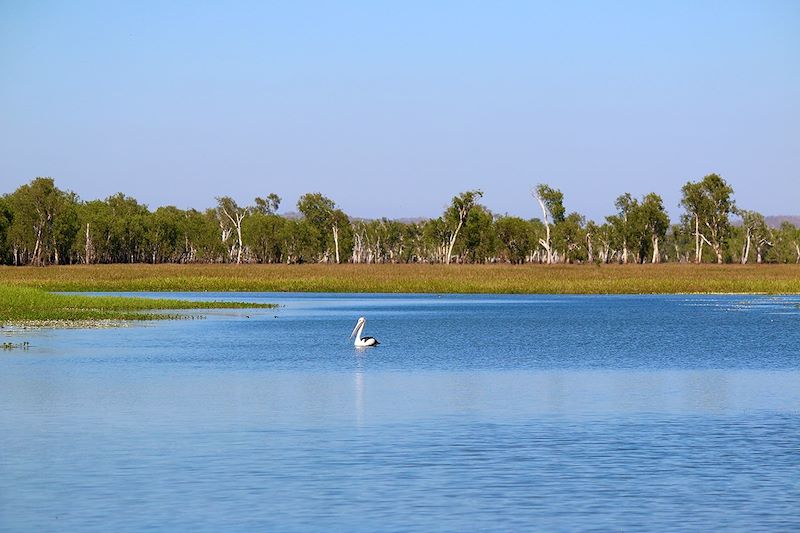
(475,413)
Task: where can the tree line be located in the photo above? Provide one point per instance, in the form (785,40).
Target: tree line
(41,224)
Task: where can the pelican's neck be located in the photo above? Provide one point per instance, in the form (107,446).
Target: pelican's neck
(359,330)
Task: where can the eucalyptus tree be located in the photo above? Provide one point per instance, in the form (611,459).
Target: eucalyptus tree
(203,241)
(755,233)
(590,232)
(435,240)
(624,223)
(268,205)
(65,229)
(263,236)
(514,238)
(654,221)
(6,217)
(604,235)
(300,241)
(413,238)
(33,229)
(551,201)
(787,243)
(569,236)
(378,241)
(128,228)
(262,230)
(536,233)
(94,219)
(393,238)
(479,242)
(679,240)
(230,217)
(321,212)
(456,215)
(709,204)
(165,235)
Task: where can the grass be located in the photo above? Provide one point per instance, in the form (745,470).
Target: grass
(24,305)
(513,279)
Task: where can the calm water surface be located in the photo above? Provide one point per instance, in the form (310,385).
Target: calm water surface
(476,413)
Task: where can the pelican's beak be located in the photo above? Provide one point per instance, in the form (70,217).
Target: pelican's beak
(355,329)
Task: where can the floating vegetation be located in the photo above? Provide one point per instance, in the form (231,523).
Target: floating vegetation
(26,307)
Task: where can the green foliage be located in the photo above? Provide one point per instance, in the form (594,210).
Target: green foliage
(332,225)
(6,218)
(709,204)
(25,304)
(264,235)
(42,217)
(514,238)
(43,225)
(553,200)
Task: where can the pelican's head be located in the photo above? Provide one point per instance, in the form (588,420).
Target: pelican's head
(361,322)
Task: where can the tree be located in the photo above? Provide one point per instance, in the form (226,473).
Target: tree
(787,243)
(479,242)
(569,236)
(230,217)
(624,222)
(655,222)
(322,213)
(268,205)
(35,210)
(551,202)
(262,236)
(709,204)
(300,241)
(513,234)
(755,232)
(6,217)
(165,235)
(128,229)
(456,215)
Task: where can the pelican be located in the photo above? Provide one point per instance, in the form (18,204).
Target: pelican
(365,341)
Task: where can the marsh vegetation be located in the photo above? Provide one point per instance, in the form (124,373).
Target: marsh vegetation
(414,278)
(28,305)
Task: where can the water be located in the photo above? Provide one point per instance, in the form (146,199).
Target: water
(476,413)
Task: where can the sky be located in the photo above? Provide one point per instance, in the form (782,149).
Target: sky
(390,108)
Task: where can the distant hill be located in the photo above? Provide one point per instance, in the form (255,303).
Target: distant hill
(775,221)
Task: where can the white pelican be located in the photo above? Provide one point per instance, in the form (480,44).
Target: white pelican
(366,341)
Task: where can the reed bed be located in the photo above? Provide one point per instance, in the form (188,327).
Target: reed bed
(415,278)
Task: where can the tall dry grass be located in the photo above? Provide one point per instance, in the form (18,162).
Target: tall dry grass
(512,279)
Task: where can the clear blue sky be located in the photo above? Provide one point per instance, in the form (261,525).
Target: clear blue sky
(390,108)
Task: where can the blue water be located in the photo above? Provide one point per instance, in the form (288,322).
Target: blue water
(475,413)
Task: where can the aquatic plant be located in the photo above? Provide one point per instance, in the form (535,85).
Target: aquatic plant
(27,305)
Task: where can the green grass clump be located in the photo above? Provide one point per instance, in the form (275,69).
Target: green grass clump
(25,304)
(669,278)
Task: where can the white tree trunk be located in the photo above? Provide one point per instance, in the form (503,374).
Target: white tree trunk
(88,246)
(239,236)
(698,248)
(453,241)
(546,242)
(336,241)
(746,252)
